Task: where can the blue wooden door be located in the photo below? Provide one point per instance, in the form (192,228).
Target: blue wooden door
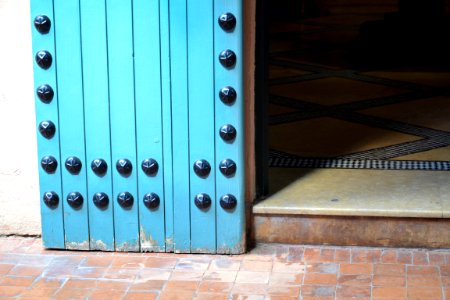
(139,107)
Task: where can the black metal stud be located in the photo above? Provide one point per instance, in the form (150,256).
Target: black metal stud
(227,133)
(227,21)
(124,167)
(99,167)
(228,201)
(125,199)
(44,59)
(101,200)
(227,58)
(75,200)
(73,165)
(150,166)
(47,129)
(227,167)
(49,164)
(202,201)
(151,200)
(45,93)
(202,168)
(42,24)
(228,95)
(51,199)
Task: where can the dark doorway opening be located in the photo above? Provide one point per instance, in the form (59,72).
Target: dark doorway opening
(351,84)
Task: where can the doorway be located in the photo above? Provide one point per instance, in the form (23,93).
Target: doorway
(357,107)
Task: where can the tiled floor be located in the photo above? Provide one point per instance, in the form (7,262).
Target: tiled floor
(268,272)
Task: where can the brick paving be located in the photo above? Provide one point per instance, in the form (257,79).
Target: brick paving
(277,272)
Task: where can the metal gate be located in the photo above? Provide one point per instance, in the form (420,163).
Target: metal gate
(139,107)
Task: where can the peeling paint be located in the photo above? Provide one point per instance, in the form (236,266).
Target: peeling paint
(148,244)
(77,246)
(170,246)
(128,247)
(239,248)
(99,245)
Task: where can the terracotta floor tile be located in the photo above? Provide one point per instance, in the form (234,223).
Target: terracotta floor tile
(445,281)
(320,279)
(420,258)
(223,276)
(107,294)
(160,263)
(73,283)
(248,297)
(285,279)
(249,289)
(141,296)
(154,274)
(39,292)
(318,291)
(353,291)
(252,277)
(423,281)
(287,291)
(176,295)
(404,257)
(22,270)
(224,264)
(192,264)
(423,270)
(389,269)
(312,254)
(10,291)
(175,285)
(359,256)
(147,285)
(119,285)
(17,281)
(356,269)
(211,296)
(342,255)
(122,273)
(374,256)
(5,268)
(97,261)
(52,283)
(186,275)
(254,265)
(128,262)
(215,287)
(355,280)
(295,254)
(445,270)
(389,292)
(64,294)
(382,280)
(437,259)
(389,257)
(88,272)
(447,294)
(424,294)
(288,267)
(326,268)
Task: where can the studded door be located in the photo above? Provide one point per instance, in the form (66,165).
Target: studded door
(139,107)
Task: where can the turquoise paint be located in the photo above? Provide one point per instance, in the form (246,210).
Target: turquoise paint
(149,119)
(200,31)
(230,224)
(167,123)
(96,102)
(180,125)
(71,110)
(51,219)
(122,115)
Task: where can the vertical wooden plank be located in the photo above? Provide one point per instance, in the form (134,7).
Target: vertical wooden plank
(122,115)
(51,216)
(230,222)
(96,99)
(180,124)
(71,114)
(167,123)
(201,122)
(149,125)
